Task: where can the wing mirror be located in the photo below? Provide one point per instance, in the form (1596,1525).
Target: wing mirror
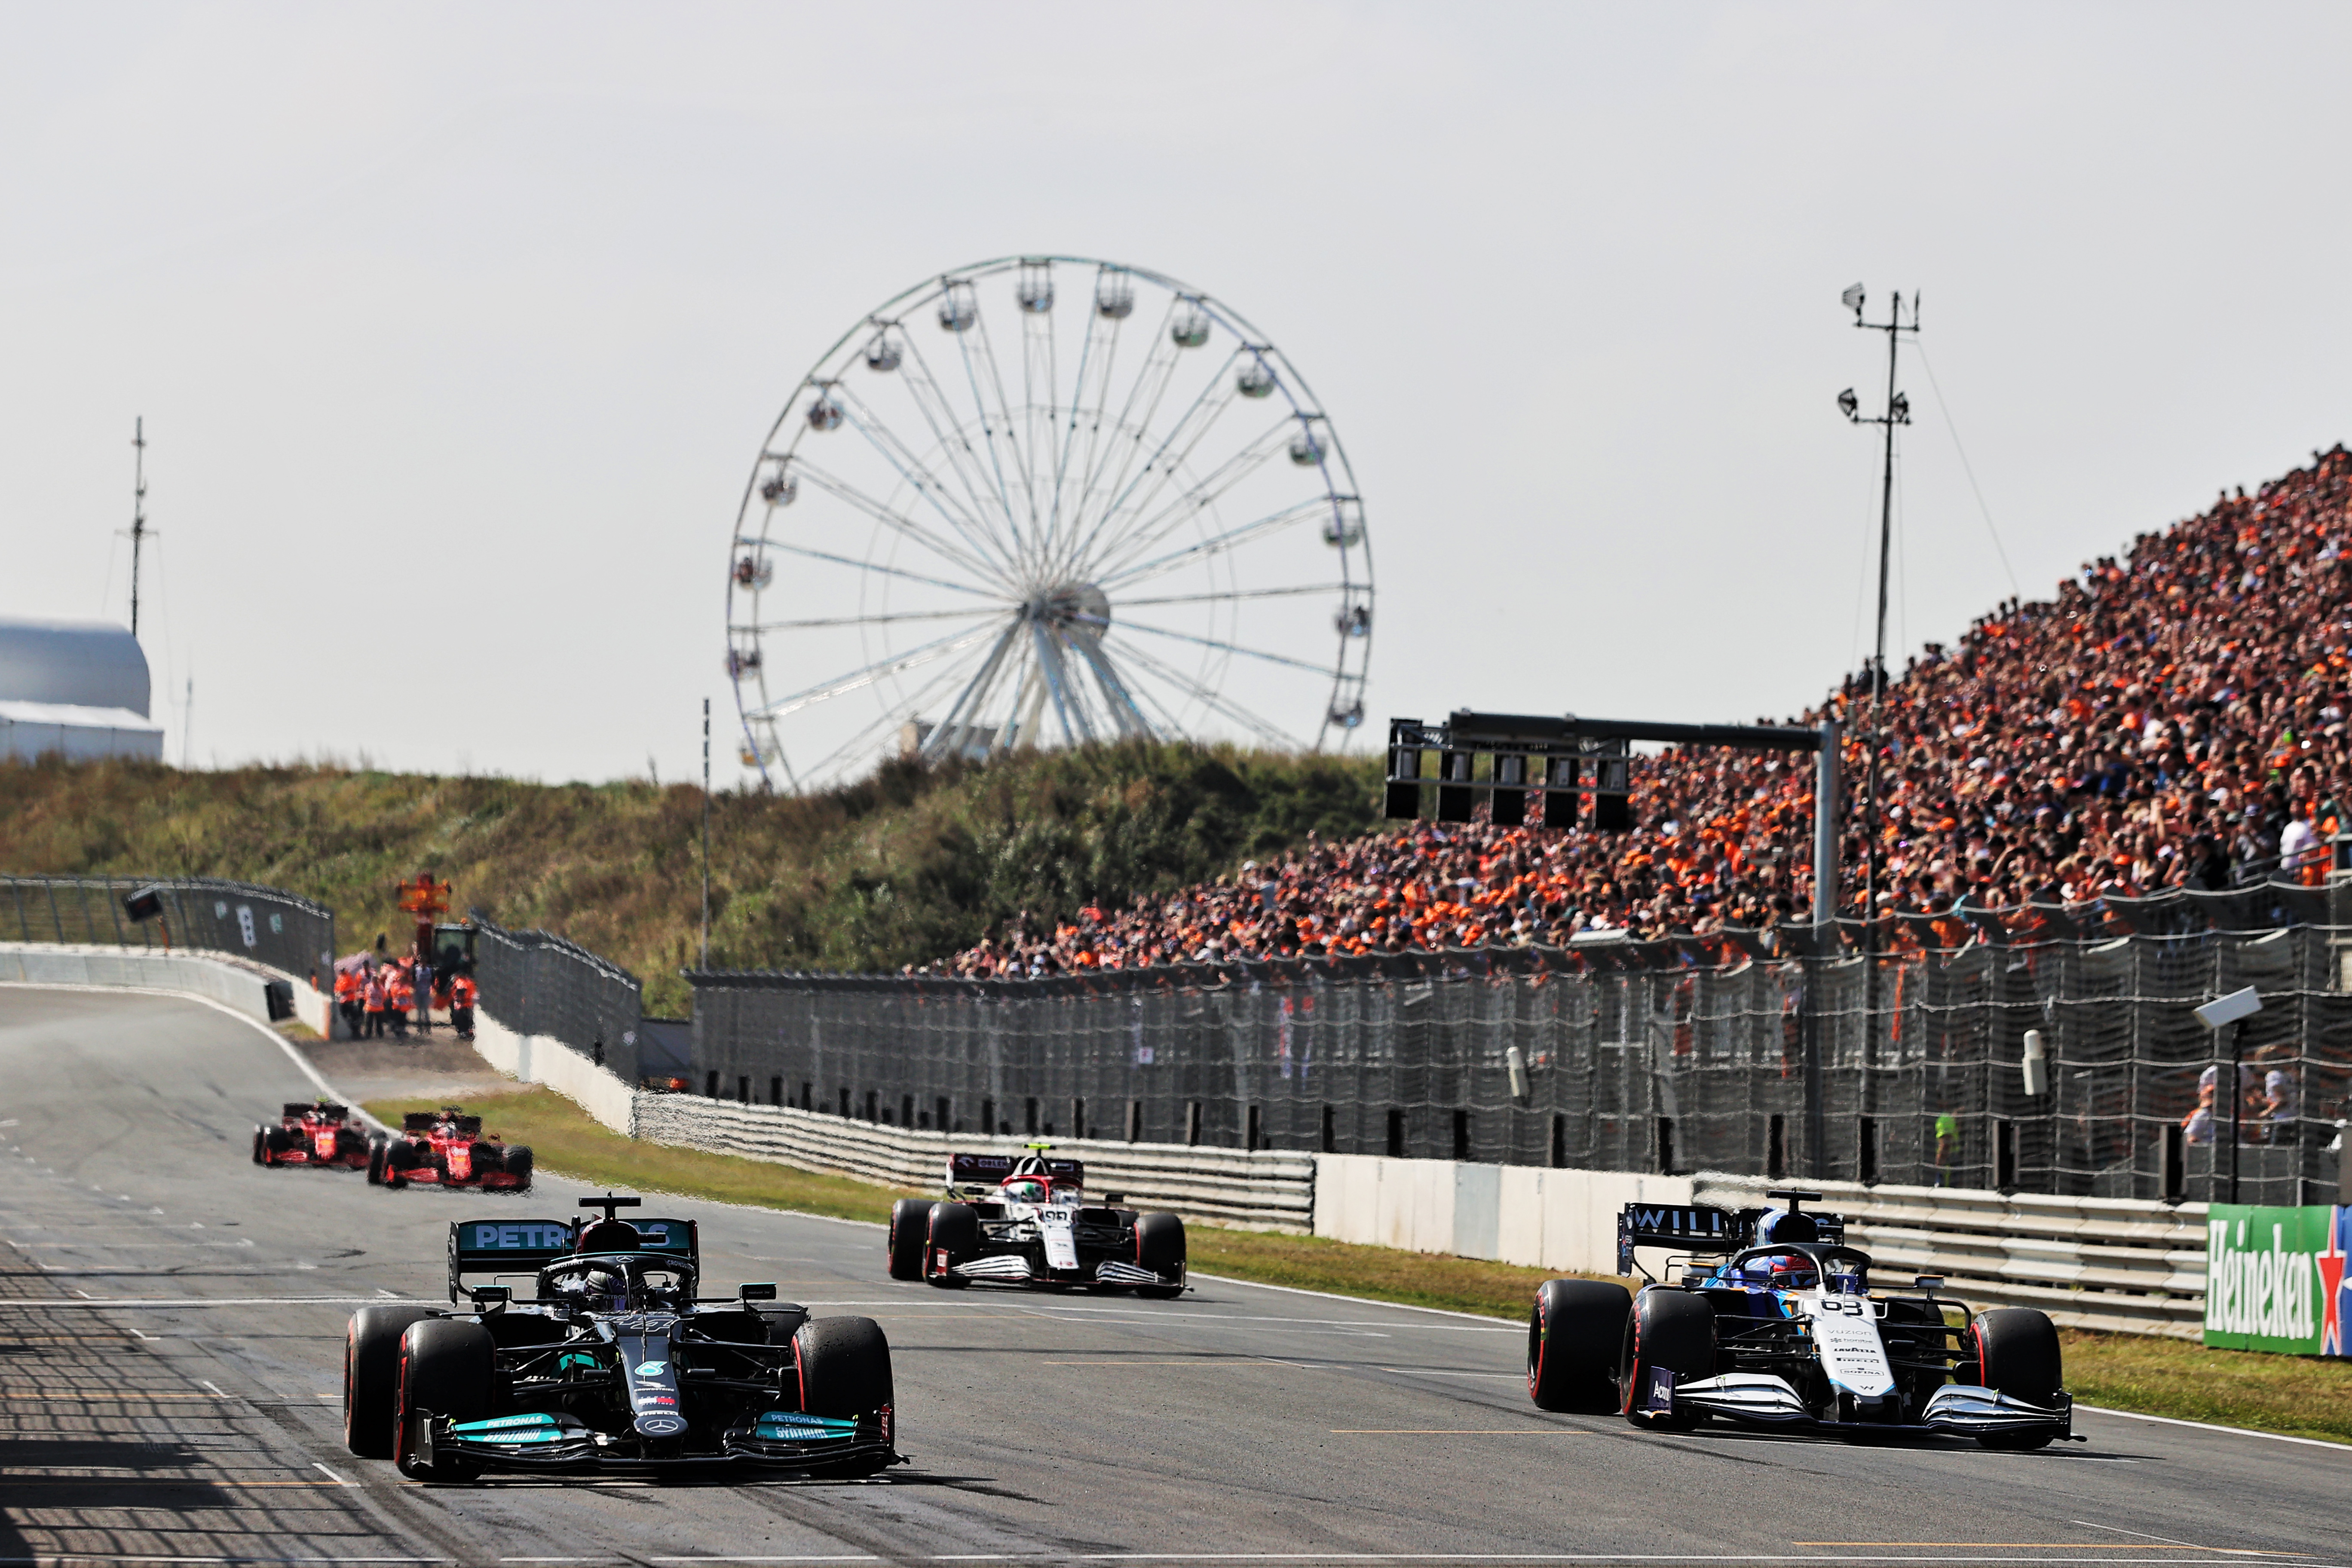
(758,1292)
(1928,1284)
(489,1298)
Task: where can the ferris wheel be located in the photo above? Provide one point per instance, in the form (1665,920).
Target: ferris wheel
(1044,501)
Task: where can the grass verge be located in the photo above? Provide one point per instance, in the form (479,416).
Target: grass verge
(2303,1397)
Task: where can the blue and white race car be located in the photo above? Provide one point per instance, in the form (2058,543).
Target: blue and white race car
(1768,1318)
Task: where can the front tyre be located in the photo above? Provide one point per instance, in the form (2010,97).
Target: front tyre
(1159,1247)
(260,1145)
(951,1236)
(372,1376)
(844,1371)
(1574,1333)
(518,1164)
(910,1220)
(445,1371)
(1668,1331)
(2017,1350)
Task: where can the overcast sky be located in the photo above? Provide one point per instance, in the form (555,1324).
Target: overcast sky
(456,328)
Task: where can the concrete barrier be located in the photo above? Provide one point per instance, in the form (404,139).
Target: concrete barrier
(244,988)
(1563,1220)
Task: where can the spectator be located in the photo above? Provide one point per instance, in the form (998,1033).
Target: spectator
(2175,717)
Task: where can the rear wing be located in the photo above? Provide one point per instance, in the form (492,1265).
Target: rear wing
(987,1170)
(1701,1227)
(295,1110)
(420,1121)
(522,1247)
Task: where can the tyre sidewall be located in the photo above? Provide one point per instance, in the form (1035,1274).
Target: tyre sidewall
(1576,1331)
(1667,1328)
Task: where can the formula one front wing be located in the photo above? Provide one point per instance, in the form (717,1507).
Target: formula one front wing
(781,1439)
(1964,1409)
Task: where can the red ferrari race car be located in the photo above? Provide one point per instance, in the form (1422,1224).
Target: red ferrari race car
(446,1148)
(311,1134)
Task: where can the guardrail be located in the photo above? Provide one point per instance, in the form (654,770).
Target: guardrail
(2091,1263)
(1269,1189)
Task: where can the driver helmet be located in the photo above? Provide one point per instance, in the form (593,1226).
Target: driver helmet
(1785,1271)
(1784,1225)
(1025,1189)
(610,1236)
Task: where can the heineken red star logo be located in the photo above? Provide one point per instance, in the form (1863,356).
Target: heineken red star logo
(2331,1285)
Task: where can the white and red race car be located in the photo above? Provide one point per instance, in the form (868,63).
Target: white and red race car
(1023,1219)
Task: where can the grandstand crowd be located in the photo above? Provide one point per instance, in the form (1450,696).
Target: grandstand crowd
(2175,717)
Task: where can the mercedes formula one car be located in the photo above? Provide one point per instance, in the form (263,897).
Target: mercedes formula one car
(599,1355)
(316,1134)
(1767,1318)
(1023,1219)
(447,1149)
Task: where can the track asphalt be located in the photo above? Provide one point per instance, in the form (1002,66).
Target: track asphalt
(171,1340)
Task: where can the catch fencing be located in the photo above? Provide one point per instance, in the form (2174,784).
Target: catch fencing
(268,925)
(536,983)
(1728,1055)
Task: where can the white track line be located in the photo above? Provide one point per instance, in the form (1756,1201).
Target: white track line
(2211,1427)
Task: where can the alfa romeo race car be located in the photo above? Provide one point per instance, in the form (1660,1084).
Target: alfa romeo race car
(446,1148)
(607,1360)
(1779,1328)
(1023,1219)
(315,1134)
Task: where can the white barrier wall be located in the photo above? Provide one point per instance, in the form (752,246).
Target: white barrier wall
(245,989)
(1565,1220)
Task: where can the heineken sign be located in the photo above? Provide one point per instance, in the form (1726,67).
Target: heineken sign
(2274,1278)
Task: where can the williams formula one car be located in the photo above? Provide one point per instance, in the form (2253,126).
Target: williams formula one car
(606,1360)
(1023,1219)
(1779,1329)
(311,1134)
(447,1149)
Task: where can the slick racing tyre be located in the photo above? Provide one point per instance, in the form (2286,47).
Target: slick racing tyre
(275,1141)
(261,1145)
(910,1220)
(2017,1348)
(444,1370)
(516,1164)
(951,1236)
(400,1157)
(372,1376)
(375,1161)
(1574,1332)
(844,1371)
(1159,1247)
(1667,1330)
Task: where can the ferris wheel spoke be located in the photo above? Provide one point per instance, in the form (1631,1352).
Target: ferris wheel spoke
(882,620)
(825,691)
(1218,596)
(916,472)
(897,522)
(971,472)
(1039,457)
(1096,361)
(1197,498)
(995,426)
(876,566)
(1107,476)
(1214,701)
(902,713)
(1213,398)
(1272,522)
(1226,647)
(1049,661)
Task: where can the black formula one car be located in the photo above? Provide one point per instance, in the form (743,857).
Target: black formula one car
(1781,1329)
(311,1133)
(1023,1220)
(608,1360)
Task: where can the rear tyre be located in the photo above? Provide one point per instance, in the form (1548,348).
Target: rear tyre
(910,1220)
(445,1368)
(372,1376)
(1574,1333)
(1159,1247)
(953,1230)
(2017,1350)
(1667,1330)
(844,1371)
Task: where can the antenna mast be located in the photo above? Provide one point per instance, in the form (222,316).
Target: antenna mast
(1898,412)
(137,510)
